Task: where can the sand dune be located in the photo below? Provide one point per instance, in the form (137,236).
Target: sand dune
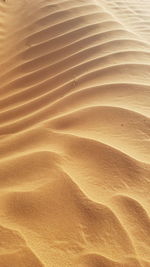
(74,133)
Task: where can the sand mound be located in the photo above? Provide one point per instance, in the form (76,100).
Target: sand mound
(74,133)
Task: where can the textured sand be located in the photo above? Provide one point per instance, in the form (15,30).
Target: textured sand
(74,133)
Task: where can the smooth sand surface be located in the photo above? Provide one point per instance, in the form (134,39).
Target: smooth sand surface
(74,133)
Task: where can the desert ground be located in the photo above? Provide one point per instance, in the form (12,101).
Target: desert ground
(74,133)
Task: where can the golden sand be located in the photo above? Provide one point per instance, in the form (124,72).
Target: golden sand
(74,133)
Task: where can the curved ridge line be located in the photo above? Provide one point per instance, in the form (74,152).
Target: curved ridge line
(92,140)
(61,35)
(46,106)
(56,12)
(69,93)
(69,46)
(75,66)
(65,72)
(142,42)
(109,147)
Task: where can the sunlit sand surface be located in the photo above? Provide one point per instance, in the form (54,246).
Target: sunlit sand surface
(74,133)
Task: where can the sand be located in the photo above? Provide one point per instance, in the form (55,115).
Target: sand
(74,133)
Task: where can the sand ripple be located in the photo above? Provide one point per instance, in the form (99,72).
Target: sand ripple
(74,133)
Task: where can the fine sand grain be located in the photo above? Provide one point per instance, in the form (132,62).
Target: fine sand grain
(74,133)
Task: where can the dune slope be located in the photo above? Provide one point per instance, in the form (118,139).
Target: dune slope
(74,133)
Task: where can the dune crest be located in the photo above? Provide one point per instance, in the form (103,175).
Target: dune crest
(74,133)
